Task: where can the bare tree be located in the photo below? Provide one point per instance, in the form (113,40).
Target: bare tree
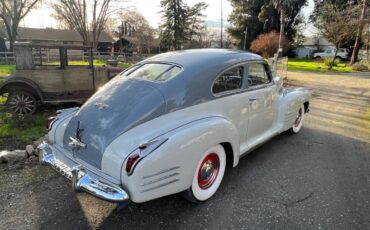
(11,13)
(141,30)
(361,26)
(337,25)
(87,17)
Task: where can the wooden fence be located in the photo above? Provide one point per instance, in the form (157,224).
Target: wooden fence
(52,56)
(7,58)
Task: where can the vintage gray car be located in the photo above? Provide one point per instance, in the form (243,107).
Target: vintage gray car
(171,124)
(45,75)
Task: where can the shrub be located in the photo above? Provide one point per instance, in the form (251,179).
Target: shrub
(365,63)
(268,44)
(330,63)
(360,67)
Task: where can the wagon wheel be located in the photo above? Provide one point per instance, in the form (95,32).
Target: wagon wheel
(208,175)
(22,103)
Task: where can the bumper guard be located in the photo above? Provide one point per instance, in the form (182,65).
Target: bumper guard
(81,181)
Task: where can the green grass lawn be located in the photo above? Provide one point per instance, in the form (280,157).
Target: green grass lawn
(25,129)
(6,70)
(311,65)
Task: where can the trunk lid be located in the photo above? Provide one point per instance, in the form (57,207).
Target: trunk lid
(121,105)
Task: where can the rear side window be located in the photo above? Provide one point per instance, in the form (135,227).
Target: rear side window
(257,75)
(155,72)
(230,80)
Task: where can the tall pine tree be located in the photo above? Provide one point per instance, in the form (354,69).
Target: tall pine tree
(180,22)
(262,16)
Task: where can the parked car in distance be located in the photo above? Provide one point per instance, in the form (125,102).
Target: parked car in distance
(342,54)
(39,80)
(171,124)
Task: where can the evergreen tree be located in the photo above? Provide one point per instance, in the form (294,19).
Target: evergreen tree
(180,23)
(261,16)
(173,30)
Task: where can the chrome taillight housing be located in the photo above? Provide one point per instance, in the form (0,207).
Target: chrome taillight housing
(140,153)
(51,120)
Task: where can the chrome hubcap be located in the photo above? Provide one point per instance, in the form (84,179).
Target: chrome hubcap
(22,104)
(208,171)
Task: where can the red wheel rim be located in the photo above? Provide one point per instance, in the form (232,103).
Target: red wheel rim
(208,170)
(298,119)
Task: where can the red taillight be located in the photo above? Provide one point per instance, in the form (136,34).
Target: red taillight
(50,120)
(131,162)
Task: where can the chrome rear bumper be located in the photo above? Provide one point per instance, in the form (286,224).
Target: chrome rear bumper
(81,181)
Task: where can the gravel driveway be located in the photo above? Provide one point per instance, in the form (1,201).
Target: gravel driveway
(317,179)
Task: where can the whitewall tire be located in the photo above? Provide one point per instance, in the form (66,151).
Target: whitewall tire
(208,175)
(298,122)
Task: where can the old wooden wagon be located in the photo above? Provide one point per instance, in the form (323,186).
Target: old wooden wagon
(45,75)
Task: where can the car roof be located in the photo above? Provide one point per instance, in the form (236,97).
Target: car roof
(200,68)
(200,57)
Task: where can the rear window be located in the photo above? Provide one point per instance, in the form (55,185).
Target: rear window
(155,72)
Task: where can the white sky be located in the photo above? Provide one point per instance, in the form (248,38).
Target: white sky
(41,17)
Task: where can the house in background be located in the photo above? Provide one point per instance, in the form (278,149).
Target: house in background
(60,37)
(312,45)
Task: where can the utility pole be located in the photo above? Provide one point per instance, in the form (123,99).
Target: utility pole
(120,34)
(245,37)
(265,26)
(280,5)
(221,45)
(282,27)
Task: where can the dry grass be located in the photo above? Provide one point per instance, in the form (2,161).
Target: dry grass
(339,104)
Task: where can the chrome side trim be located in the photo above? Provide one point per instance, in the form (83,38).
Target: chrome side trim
(81,181)
(160,172)
(160,185)
(160,179)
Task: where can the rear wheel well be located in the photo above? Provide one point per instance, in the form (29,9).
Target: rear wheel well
(229,153)
(306,104)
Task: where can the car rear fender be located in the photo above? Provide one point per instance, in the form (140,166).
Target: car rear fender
(170,168)
(58,127)
(289,103)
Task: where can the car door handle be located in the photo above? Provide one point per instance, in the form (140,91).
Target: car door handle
(255,98)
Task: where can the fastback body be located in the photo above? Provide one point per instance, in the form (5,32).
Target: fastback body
(185,111)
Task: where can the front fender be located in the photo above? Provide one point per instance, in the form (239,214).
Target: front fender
(170,168)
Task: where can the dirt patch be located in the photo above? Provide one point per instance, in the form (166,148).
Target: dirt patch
(341,104)
(12,143)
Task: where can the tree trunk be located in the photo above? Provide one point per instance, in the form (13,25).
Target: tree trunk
(330,67)
(356,48)
(368,43)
